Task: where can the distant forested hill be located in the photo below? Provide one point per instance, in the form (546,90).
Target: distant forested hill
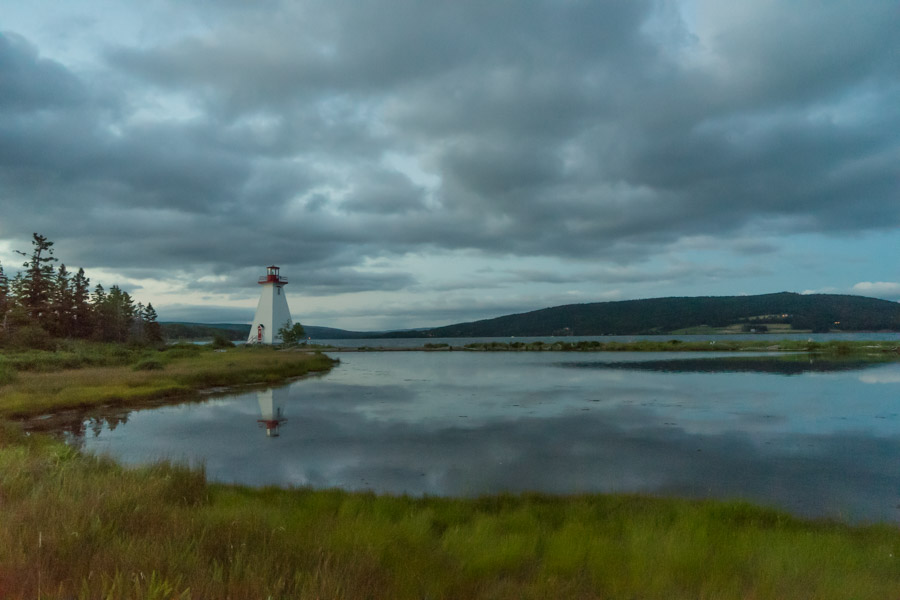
(815,312)
(804,312)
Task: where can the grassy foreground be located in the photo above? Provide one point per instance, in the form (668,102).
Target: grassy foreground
(77,526)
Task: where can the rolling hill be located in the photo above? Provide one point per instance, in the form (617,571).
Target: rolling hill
(804,312)
(787,310)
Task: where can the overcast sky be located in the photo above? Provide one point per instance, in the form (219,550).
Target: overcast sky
(412,163)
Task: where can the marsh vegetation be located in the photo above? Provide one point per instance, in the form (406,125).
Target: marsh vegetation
(82,374)
(76,525)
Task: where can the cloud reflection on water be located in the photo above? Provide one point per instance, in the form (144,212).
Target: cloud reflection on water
(472,424)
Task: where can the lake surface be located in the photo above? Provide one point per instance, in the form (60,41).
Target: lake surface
(815,438)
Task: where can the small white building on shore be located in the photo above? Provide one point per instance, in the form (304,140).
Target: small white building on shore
(272,312)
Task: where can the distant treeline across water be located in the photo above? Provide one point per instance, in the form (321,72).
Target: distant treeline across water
(888,336)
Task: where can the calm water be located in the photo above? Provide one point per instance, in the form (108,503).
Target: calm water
(817,439)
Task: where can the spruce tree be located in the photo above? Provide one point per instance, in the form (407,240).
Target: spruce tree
(38,280)
(100,316)
(152,329)
(118,313)
(17,315)
(81,307)
(128,312)
(62,306)
(5,300)
(137,328)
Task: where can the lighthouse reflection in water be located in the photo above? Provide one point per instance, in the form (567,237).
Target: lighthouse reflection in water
(271,408)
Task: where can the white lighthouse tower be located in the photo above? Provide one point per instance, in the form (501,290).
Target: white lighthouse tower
(272,312)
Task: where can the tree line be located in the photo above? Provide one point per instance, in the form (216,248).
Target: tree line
(43,302)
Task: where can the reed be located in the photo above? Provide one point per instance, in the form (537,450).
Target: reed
(175,373)
(74,525)
(79,526)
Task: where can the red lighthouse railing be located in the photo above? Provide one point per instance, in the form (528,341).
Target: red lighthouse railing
(272,276)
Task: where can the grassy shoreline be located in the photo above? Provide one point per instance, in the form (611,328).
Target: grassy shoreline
(78,526)
(39,383)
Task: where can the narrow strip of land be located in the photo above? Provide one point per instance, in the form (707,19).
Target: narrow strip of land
(85,375)
(886,349)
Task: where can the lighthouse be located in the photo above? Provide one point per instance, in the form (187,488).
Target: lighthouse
(272,312)
(271,408)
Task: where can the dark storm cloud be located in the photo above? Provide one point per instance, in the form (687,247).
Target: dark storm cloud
(545,128)
(613,276)
(333,280)
(30,82)
(434,313)
(383,192)
(207,313)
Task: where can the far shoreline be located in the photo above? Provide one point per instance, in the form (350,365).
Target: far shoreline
(881,348)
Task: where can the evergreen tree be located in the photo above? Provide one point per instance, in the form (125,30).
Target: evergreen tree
(100,315)
(152,329)
(16,293)
(99,295)
(118,315)
(38,280)
(62,306)
(127,312)
(137,329)
(17,316)
(81,307)
(5,299)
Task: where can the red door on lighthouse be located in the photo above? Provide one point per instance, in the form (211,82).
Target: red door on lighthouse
(259,331)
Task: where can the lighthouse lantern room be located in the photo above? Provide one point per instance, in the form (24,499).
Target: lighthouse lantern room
(272,312)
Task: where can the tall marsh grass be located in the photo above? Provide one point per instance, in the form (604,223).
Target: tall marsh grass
(72,354)
(81,526)
(77,526)
(144,376)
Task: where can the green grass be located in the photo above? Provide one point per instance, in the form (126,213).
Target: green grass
(72,354)
(78,526)
(33,383)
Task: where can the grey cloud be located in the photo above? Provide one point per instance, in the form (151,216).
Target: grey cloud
(753,247)
(337,278)
(632,274)
(347,281)
(810,52)
(346,46)
(434,313)
(383,192)
(549,129)
(30,82)
(208,313)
